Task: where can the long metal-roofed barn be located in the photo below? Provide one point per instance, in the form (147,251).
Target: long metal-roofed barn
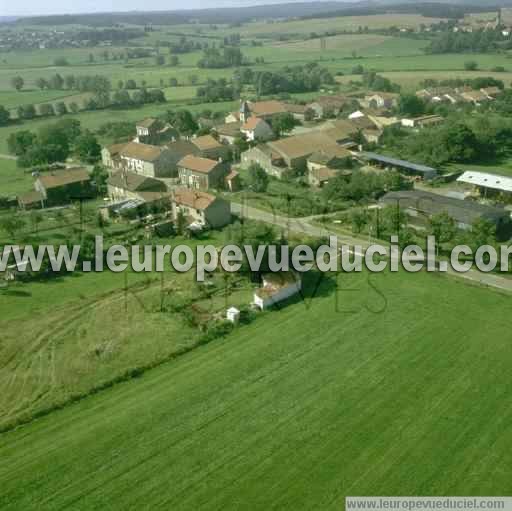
(402,165)
(421,205)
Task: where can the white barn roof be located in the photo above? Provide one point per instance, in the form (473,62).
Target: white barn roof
(487,180)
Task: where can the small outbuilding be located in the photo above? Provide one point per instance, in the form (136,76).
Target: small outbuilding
(277,287)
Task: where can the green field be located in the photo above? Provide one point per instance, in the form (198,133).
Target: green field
(12,179)
(387,386)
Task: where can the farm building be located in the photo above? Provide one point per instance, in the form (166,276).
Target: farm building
(30,200)
(276,287)
(381,100)
(110,156)
(400,165)
(62,186)
(420,206)
(423,121)
(488,185)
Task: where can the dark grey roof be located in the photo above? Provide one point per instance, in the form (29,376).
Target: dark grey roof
(463,211)
(415,167)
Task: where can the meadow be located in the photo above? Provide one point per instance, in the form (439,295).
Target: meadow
(379,400)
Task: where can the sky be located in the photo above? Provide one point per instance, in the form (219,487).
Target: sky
(36,7)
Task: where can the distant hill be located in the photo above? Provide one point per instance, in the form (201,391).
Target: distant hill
(8,19)
(234,15)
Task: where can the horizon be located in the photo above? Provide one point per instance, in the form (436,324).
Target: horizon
(96,7)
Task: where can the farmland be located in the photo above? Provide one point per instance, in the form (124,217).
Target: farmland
(366,384)
(262,420)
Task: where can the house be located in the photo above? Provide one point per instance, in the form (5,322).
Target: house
(201,173)
(62,186)
(488,185)
(266,110)
(271,161)
(382,100)
(328,106)
(256,129)
(147,128)
(110,156)
(276,287)
(154,131)
(406,167)
(420,206)
(147,160)
(228,133)
(128,185)
(201,208)
(209,147)
(422,121)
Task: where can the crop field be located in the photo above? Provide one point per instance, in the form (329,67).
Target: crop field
(411,80)
(272,29)
(297,421)
(364,45)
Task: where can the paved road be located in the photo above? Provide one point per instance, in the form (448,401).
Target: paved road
(303,225)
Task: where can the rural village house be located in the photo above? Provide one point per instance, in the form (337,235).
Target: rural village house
(201,173)
(200,207)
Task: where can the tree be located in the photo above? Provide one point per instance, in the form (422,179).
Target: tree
(41,83)
(61,61)
(17,82)
(26,111)
(159,60)
(46,110)
(99,176)
(182,120)
(61,108)
(309,114)
(130,84)
(173,82)
(71,127)
(56,82)
(283,123)
(36,218)
(470,65)
(73,107)
(4,116)
(174,60)
(87,148)
(443,228)
(410,104)
(19,142)
(12,224)
(257,179)
(70,82)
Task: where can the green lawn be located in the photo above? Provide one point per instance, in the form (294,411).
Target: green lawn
(393,386)
(13,180)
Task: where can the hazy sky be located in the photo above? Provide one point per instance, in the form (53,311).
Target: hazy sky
(36,7)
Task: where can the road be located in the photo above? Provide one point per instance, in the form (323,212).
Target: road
(304,226)
(8,157)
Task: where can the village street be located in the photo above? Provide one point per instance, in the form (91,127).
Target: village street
(304,225)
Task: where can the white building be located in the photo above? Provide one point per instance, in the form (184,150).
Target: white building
(277,287)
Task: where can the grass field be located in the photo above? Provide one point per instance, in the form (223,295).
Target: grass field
(402,391)
(12,179)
